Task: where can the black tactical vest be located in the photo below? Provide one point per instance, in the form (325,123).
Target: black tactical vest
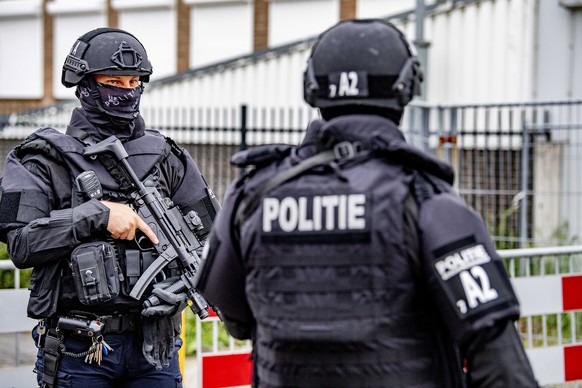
(330,278)
(144,153)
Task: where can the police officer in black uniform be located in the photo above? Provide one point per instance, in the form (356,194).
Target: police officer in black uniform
(86,245)
(349,260)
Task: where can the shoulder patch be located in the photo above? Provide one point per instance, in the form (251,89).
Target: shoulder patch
(471,279)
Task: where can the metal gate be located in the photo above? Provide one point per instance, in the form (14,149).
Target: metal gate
(516,164)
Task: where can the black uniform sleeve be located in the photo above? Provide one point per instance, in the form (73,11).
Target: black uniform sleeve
(222,277)
(489,350)
(473,293)
(53,237)
(463,270)
(37,234)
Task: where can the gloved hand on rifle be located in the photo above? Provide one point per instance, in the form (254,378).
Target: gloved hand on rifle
(161,324)
(168,303)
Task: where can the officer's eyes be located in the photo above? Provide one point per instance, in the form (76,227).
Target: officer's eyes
(115,82)
(111,82)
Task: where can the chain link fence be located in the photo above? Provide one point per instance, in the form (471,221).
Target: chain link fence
(516,164)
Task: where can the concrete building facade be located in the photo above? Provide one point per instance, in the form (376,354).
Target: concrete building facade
(35,35)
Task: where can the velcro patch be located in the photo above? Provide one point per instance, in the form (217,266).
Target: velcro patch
(23,206)
(9,206)
(348,84)
(473,282)
(317,218)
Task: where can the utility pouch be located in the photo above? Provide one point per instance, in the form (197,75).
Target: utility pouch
(95,272)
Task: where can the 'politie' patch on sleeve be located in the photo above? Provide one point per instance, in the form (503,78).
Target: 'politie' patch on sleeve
(317,218)
(472,281)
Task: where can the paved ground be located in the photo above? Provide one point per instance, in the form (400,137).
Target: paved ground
(22,376)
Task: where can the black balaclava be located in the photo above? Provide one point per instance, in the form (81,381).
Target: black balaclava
(111,109)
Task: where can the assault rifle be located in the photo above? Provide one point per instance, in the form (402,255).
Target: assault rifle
(175,232)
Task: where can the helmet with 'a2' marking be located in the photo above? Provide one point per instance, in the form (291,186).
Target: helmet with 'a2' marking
(365,62)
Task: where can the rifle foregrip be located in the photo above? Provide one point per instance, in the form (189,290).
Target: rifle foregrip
(198,304)
(174,288)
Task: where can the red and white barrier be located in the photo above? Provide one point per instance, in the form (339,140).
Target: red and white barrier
(219,368)
(538,296)
(226,370)
(543,295)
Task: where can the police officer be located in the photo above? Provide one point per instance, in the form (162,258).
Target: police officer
(348,260)
(86,245)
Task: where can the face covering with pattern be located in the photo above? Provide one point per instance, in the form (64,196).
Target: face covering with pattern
(120,102)
(116,111)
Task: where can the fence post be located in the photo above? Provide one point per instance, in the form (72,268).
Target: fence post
(243,133)
(524,185)
(424,127)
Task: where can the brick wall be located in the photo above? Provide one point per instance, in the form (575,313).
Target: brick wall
(347,9)
(183,37)
(48,27)
(260,42)
(261,25)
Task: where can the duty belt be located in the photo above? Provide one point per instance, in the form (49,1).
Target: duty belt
(121,323)
(81,322)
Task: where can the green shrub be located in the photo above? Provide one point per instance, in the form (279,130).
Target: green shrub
(7,275)
(207,335)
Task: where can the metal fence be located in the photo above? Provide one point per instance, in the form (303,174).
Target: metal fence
(516,164)
(548,327)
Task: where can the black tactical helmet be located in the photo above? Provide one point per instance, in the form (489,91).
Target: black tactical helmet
(106,51)
(366,62)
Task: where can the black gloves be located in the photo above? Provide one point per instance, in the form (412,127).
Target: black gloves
(168,303)
(161,323)
(158,341)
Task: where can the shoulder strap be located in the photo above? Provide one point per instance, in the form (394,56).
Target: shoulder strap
(172,147)
(108,162)
(424,186)
(343,150)
(111,164)
(248,206)
(81,135)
